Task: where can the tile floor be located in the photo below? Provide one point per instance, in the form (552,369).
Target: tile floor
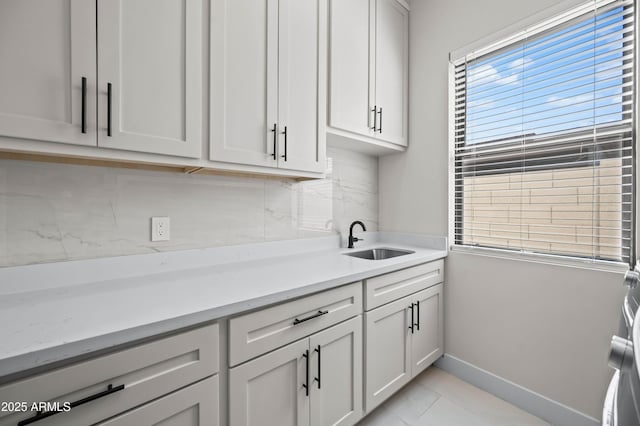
(436,398)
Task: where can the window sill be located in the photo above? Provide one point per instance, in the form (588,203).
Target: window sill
(549,259)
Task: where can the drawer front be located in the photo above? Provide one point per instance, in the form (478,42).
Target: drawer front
(389,287)
(146,371)
(195,405)
(261,331)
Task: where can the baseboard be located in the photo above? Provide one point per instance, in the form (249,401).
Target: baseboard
(530,401)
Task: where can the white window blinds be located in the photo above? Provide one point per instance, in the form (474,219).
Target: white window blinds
(543,134)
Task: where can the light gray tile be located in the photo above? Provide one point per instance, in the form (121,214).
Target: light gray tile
(445,413)
(382,416)
(475,400)
(412,401)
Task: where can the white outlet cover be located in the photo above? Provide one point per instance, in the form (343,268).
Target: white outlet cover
(160,228)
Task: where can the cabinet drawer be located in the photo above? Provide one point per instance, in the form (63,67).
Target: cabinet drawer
(389,287)
(259,332)
(195,405)
(146,371)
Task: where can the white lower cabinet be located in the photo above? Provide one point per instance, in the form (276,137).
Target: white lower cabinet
(402,338)
(337,399)
(195,405)
(316,381)
(107,386)
(427,338)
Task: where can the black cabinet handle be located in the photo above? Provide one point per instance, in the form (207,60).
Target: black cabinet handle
(319,314)
(285,143)
(44,414)
(418,315)
(317,379)
(84,105)
(305,385)
(375,117)
(108,109)
(275,140)
(412,319)
(380,128)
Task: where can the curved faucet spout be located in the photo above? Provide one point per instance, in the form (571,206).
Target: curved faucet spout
(353,239)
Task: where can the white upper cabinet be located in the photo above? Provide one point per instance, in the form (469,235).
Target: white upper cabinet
(392,43)
(349,82)
(150,76)
(149,60)
(302,73)
(368,74)
(244,81)
(126,81)
(48,48)
(267,90)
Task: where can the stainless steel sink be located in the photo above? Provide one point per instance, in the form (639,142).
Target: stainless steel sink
(379,253)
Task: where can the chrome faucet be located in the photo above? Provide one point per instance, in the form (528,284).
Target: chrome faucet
(353,239)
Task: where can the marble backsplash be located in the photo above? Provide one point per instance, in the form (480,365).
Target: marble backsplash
(55,212)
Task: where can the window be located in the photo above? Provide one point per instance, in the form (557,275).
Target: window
(543,137)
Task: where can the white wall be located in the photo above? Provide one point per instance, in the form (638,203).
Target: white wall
(56,212)
(544,327)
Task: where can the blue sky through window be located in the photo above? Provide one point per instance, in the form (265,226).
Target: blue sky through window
(569,79)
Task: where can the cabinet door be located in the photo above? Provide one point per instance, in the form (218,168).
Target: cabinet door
(387,349)
(336,359)
(244,82)
(47,47)
(392,64)
(350,83)
(269,390)
(301,77)
(195,405)
(150,52)
(427,339)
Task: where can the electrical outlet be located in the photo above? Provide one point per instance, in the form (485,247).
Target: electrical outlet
(160,229)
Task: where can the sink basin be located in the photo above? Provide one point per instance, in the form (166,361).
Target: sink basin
(379,253)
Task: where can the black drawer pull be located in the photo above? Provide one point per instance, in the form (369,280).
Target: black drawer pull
(285,143)
(44,414)
(84,105)
(109,109)
(319,314)
(375,118)
(317,379)
(305,385)
(418,315)
(275,140)
(412,319)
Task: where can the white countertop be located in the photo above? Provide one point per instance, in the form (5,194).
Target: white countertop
(53,312)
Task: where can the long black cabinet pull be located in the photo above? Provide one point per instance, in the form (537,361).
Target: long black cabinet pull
(275,140)
(84,105)
(44,414)
(305,385)
(412,319)
(380,128)
(285,143)
(319,314)
(108,109)
(375,117)
(317,379)
(418,315)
